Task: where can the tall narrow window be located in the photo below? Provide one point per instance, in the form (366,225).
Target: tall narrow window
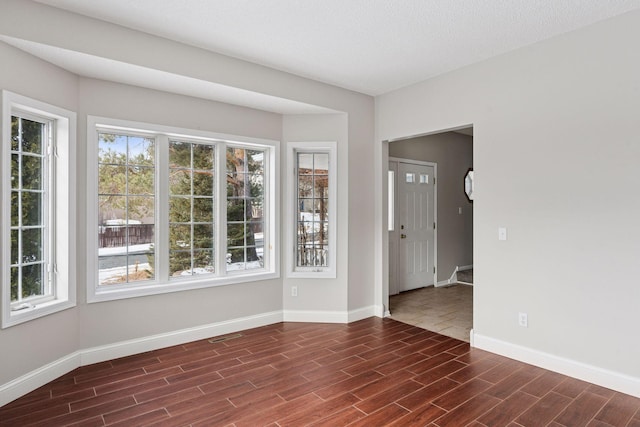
(30,214)
(191,208)
(312,209)
(245,208)
(38,197)
(126,215)
(314,197)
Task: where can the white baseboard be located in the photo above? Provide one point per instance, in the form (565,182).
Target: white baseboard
(37,378)
(41,376)
(593,374)
(315,316)
(465,267)
(154,342)
(364,312)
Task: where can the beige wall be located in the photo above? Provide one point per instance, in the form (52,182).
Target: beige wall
(453,153)
(556,162)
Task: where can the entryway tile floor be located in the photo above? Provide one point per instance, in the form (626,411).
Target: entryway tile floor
(447,310)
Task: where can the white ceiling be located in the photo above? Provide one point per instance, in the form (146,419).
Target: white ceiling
(370,46)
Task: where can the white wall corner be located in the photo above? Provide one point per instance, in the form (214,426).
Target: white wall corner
(593,374)
(38,377)
(364,312)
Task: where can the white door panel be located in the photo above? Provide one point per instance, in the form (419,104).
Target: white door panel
(416,222)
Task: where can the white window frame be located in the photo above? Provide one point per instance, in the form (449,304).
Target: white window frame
(61,203)
(161,283)
(293,148)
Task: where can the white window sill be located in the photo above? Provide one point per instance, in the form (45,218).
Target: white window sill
(35,311)
(177,285)
(312,274)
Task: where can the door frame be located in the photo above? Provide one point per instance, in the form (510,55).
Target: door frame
(395,234)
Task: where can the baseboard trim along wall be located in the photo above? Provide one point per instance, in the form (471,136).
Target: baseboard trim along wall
(322,316)
(41,376)
(454,276)
(602,377)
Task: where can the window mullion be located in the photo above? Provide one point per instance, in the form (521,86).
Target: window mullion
(162,209)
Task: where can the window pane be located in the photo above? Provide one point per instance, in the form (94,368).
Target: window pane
(180,182)
(32,136)
(203,262)
(32,173)
(112,148)
(235,235)
(245,207)
(15,171)
(15,133)
(202,209)
(113,179)
(235,209)
(141,151)
(203,236)
(32,280)
(32,209)
(203,183)
(179,263)
(179,209)
(15,290)
(194,178)
(305,186)
(15,217)
(320,164)
(179,155)
(203,157)
(32,245)
(180,237)
(126,185)
(15,248)
(141,180)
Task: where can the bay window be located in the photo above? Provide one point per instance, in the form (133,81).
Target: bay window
(174,209)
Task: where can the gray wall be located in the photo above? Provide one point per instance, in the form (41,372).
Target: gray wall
(29,346)
(556,162)
(453,153)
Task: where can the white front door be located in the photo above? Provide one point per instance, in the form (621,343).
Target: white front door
(416,213)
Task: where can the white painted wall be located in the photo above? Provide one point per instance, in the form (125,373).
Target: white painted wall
(453,153)
(556,162)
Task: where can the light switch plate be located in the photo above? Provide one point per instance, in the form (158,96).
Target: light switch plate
(502,233)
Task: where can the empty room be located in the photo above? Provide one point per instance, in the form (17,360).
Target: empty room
(199,227)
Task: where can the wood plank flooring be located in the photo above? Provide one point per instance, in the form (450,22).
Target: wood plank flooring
(374,372)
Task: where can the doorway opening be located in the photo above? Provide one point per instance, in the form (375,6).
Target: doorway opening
(431,232)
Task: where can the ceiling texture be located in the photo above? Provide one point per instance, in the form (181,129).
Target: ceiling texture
(369,46)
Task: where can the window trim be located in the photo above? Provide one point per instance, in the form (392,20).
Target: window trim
(63,246)
(163,134)
(293,148)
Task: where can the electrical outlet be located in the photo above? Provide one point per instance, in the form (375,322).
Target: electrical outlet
(294,291)
(523,320)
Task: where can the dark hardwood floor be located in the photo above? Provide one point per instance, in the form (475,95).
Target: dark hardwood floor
(374,372)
